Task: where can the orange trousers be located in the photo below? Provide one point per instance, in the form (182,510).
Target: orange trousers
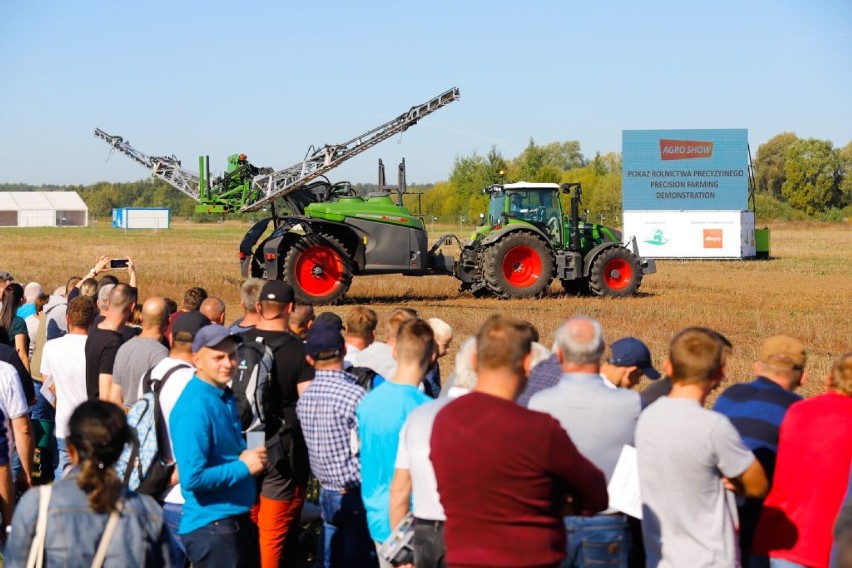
(276,520)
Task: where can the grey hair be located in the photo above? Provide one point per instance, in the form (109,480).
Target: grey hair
(32,291)
(575,343)
(464,372)
(441,329)
(103,296)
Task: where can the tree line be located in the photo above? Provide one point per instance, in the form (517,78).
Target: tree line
(795,178)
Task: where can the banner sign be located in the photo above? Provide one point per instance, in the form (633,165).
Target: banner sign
(692,234)
(692,170)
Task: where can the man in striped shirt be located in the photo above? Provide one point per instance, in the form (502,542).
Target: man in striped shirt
(756,410)
(327,414)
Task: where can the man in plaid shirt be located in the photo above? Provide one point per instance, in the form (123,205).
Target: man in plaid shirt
(327,414)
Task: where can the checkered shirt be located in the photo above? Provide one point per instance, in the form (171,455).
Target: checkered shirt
(543,376)
(327,415)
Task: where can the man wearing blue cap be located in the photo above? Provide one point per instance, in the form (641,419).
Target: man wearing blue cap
(214,467)
(629,359)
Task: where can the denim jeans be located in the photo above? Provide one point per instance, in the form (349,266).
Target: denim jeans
(601,540)
(346,537)
(172,512)
(62,461)
(429,547)
(230,542)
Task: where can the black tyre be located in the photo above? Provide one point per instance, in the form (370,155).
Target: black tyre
(616,273)
(318,269)
(520,265)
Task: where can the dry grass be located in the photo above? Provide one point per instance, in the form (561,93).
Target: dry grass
(805,290)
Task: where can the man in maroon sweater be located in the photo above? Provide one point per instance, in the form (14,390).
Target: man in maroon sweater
(505,473)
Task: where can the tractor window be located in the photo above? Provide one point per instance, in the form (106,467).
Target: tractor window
(496,207)
(539,207)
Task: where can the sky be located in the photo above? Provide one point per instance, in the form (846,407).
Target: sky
(270,79)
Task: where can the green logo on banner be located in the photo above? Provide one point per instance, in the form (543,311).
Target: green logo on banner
(658,239)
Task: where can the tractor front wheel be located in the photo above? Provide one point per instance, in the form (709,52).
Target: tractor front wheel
(616,273)
(520,265)
(317,267)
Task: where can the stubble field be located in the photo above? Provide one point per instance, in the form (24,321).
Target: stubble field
(804,291)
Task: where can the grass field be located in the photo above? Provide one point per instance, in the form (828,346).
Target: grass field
(805,290)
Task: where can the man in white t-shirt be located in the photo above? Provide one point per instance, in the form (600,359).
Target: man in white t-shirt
(359,331)
(63,367)
(414,473)
(178,366)
(378,356)
(13,403)
(688,458)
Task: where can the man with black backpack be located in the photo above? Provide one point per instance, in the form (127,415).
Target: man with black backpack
(270,405)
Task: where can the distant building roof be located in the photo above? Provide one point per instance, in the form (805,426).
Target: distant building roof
(56,200)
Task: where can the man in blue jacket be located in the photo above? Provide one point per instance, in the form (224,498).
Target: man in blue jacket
(214,467)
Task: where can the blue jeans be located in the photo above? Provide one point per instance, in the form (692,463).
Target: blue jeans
(63,460)
(172,512)
(601,540)
(346,537)
(228,542)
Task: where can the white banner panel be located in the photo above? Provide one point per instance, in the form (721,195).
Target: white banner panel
(692,234)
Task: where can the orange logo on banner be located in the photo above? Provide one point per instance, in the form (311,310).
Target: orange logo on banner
(712,238)
(684,149)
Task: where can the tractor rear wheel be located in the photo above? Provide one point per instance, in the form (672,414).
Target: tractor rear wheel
(616,273)
(318,269)
(520,265)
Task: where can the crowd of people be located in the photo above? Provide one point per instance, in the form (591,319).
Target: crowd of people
(511,460)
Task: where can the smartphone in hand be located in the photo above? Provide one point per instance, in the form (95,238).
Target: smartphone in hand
(118,263)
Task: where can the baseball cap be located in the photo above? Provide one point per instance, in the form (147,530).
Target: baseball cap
(186,325)
(329,318)
(6,276)
(783,351)
(324,338)
(276,291)
(630,352)
(211,336)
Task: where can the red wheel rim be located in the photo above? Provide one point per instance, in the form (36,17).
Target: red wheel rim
(618,273)
(319,270)
(522,266)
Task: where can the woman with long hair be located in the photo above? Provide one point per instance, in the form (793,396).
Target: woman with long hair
(89,514)
(13,330)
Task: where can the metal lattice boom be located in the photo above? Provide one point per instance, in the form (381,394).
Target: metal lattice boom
(166,168)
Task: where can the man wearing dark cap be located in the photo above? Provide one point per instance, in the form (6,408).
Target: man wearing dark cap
(600,421)
(214,466)
(284,481)
(327,415)
(628,360)
(756,410)
(177,370)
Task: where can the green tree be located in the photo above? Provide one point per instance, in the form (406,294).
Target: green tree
(844,156)
(769,172)
(813,176)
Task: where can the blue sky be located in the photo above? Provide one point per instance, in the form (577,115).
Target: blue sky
(272,78)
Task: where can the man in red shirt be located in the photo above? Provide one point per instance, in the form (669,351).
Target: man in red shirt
(811,475)
(506,473)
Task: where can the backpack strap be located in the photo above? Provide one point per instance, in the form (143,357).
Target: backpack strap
(158,411)
(35,559)
(109,530)
(146,381)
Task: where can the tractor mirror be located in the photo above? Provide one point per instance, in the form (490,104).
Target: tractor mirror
(567,187)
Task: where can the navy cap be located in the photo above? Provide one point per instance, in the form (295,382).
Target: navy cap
(186,325)
(211,336)
(5,276)
(631,352)
(329,318)
(276,291)
(324,338)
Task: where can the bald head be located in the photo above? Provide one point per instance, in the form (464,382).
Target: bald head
(214,309)
(155,314)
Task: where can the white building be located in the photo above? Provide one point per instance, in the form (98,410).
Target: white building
(42,209)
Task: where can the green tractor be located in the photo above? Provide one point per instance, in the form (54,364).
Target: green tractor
(523,244)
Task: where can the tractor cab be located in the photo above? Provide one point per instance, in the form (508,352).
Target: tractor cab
(538,204)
